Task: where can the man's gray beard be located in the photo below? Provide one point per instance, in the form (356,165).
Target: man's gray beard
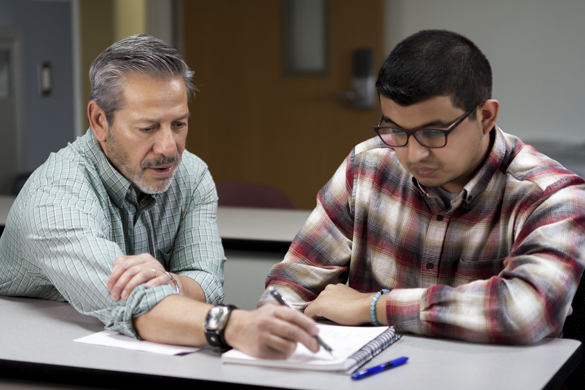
(146,188)
(120,158)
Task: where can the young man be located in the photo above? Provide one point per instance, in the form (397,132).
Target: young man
(122,222)
(443,224)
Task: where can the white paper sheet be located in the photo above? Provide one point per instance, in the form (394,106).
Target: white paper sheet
(114,339)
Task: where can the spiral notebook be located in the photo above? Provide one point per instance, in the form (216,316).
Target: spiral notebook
(353,346)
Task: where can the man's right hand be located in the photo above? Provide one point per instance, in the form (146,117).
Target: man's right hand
(271,332)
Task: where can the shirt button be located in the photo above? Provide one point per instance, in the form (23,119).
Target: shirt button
(430,265)
(439,217)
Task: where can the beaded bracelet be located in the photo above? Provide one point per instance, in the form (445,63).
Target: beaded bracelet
(373,306)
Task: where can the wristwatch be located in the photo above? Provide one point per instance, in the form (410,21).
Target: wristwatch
(215,323)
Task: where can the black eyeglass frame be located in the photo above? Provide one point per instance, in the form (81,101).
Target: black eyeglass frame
(408,133)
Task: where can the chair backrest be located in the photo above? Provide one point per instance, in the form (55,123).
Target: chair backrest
(574,328)
(245,194)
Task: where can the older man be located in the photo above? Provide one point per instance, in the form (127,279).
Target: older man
(122,222)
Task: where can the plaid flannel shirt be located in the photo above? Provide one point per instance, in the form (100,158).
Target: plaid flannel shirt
(77,213)
(500,264)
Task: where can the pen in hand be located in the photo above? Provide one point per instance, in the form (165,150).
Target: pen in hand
(276,295)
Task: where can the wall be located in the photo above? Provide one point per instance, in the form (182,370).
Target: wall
(252,122)
(103,22)
(129,18)
(97,33)
(49,120)
(536,49)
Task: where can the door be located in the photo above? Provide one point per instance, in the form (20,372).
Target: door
(11,111)
(252,122)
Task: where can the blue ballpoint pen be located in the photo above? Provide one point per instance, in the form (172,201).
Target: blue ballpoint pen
(382,367)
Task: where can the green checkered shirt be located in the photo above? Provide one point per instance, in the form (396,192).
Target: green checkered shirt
(77,213)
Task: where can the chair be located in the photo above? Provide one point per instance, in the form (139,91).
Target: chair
(574,328)
(246,194)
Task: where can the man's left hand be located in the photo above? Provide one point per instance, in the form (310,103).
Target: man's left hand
(131,271)
(342,305)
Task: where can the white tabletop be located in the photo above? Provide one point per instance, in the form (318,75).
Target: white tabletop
(260,224)
(42,332)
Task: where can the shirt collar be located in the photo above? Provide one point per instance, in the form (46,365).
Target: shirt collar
(118,187)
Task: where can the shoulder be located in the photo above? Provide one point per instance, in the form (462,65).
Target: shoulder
(67,176)
(528,165)
(192,165)
(372,147)
(373,157)
(71,167)
(192,171)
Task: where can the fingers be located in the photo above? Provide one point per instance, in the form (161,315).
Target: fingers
(313,311)
(296,327)
(297,318)
(271,331)
(132,271)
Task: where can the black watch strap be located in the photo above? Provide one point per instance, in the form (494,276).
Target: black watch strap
(216,337)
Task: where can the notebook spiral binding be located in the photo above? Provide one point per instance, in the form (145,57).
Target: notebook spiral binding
(374,348)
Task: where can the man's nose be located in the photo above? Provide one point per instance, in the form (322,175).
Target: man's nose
(416,152)
(165,144)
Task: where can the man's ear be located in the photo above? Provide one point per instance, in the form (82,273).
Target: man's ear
(97,121)
(488,114)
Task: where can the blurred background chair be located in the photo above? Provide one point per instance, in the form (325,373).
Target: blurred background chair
(246,194)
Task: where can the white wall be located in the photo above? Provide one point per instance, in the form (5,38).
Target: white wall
(536,49)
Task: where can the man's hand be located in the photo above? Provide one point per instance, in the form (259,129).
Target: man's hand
(131,271)
(342,305)
(271,332)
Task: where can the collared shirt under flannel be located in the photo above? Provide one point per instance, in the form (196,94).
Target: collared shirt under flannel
(500,264)
(77,213)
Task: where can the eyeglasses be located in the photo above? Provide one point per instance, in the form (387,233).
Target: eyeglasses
(429,138)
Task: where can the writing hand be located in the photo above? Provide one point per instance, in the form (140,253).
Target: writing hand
(131,271)
(271,332)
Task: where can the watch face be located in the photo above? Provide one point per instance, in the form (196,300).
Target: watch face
(216,317)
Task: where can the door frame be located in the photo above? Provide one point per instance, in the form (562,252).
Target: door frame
(12,38)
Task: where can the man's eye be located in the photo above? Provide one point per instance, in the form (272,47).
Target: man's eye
(432,133)
(147,129)
(397,131)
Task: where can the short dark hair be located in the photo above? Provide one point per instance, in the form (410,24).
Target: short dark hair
(436,63)
(139,53)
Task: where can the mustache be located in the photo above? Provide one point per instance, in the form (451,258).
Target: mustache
(426,164)
(160,161)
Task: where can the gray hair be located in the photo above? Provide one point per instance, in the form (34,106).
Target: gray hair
(140,53)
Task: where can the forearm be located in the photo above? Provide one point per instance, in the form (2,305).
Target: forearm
(174,320)
(495,311)
(270,332)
